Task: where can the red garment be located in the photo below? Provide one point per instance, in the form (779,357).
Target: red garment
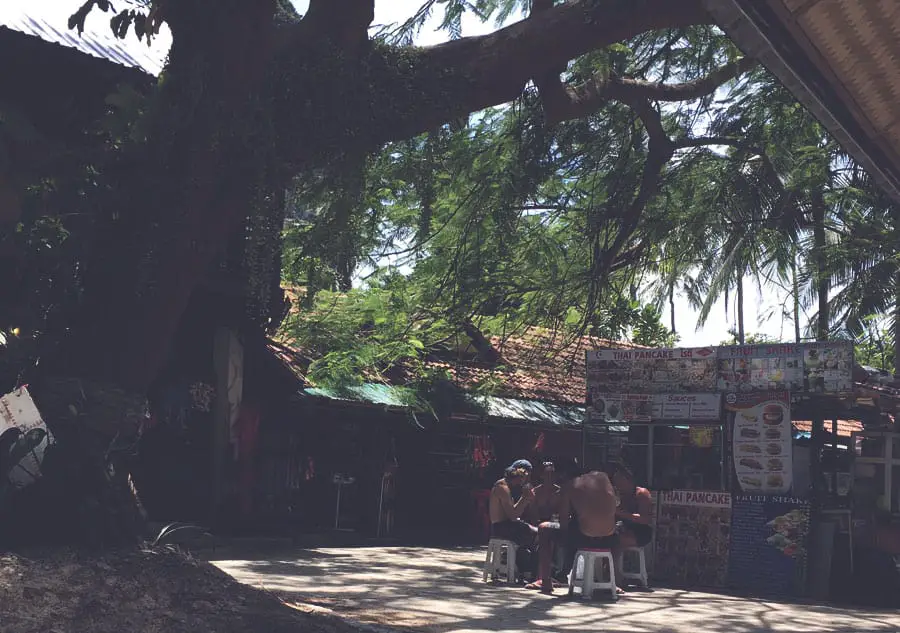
(539,444)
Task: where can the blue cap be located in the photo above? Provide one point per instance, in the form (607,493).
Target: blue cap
(521,463)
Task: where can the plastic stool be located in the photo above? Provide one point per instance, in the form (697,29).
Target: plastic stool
(589,582)
(494,564)
(641,575)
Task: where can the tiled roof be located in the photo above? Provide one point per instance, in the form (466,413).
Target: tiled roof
(48,20)
(845,427)
(537,365)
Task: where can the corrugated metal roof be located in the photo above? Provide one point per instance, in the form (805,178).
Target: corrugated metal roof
(370,393)
(531,411)
(48,20)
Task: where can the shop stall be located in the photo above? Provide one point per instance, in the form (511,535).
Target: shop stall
(710,430)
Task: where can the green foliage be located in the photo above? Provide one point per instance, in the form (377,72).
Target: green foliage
(355,337)
(750,339)
(648,329)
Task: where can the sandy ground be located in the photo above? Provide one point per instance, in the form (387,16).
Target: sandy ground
(440,590)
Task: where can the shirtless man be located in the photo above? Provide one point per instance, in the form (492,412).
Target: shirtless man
(632,515)
(546,496)
(592,500)
(506,514)
(543,513)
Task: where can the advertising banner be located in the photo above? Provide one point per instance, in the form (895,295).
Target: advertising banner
(768,544)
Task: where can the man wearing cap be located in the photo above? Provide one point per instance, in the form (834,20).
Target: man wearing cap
(506,514)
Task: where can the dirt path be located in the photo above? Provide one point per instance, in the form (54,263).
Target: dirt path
(440,591)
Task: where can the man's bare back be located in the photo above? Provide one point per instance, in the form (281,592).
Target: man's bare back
(593,500)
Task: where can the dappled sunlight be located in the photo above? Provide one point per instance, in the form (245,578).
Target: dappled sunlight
(441,590)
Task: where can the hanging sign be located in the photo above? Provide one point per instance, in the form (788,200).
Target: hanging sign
(762,441)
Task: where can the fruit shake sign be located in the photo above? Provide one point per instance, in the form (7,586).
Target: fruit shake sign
(761,429)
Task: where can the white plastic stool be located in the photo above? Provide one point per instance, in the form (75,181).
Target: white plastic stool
(494,563)
(589,582)
(641,574)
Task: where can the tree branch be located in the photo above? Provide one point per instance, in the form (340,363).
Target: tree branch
(398,92)
(563,103)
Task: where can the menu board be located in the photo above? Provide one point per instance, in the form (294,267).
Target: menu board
(652,370)
(748,368)
(828,367)
(818,367)
(768,544)
(692,538)
(645,407)
(762,441)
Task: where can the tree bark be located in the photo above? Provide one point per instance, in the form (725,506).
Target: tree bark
(740,307)
(896,359)
(823,319)
(672,307)
(795,297)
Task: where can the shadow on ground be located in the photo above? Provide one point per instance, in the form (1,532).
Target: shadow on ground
(440,590)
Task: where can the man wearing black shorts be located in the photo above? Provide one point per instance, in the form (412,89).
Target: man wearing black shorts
(587,514)
(633,514)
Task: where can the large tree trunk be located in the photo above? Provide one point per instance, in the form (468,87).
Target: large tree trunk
(180,195)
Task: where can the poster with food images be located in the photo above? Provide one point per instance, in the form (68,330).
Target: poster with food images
(828,367)
(681,370)
(631,407)
(692,538)
(762,441)
(646,407)
(753,368)
(768,544)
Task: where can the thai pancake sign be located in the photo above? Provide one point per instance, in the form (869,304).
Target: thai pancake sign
(762,434)
(692,538)
(652,370)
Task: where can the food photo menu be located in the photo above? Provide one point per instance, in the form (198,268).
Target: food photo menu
(762,441)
